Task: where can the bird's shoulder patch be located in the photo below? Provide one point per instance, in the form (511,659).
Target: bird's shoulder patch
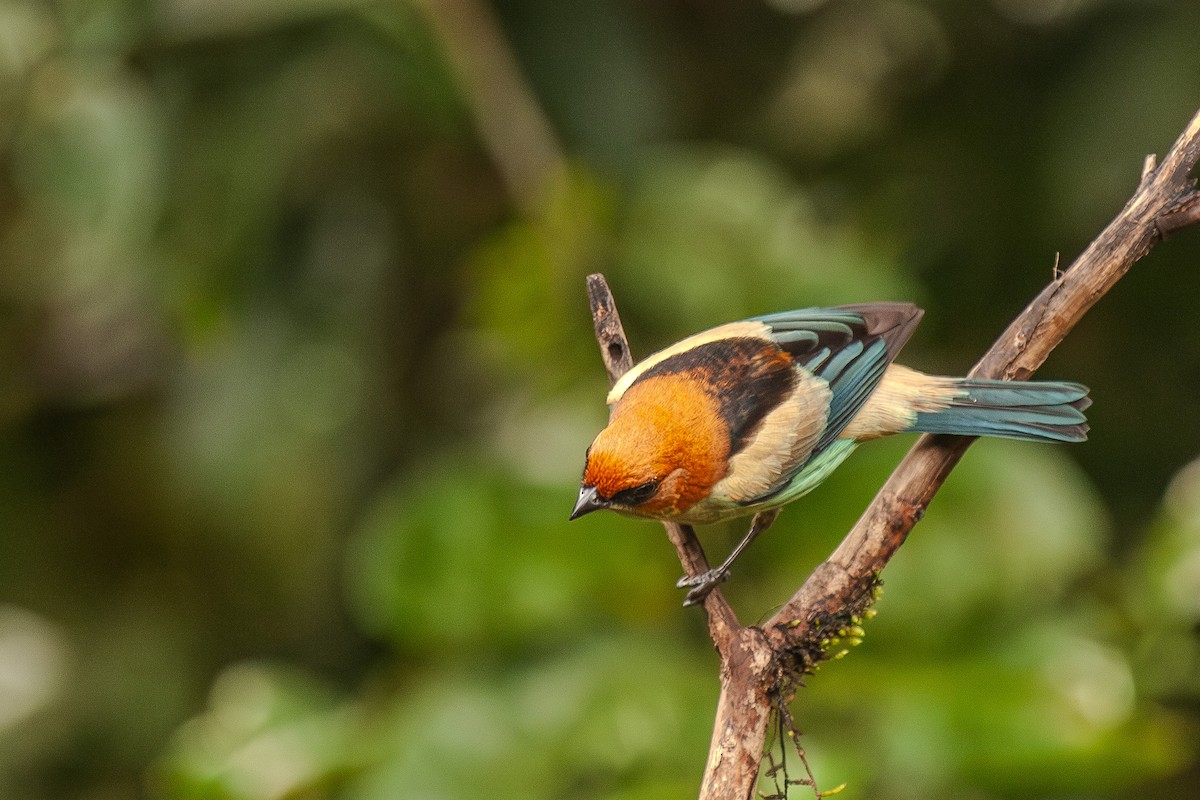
(780,444)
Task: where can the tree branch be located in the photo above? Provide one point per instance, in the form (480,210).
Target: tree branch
(759,665)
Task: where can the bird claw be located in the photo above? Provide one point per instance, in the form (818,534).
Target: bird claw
(701,585)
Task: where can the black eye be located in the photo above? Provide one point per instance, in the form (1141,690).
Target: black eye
(635,495)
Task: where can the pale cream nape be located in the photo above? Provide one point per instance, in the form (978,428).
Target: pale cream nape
(732,330)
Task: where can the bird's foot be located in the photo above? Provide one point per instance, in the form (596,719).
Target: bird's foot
(701,584)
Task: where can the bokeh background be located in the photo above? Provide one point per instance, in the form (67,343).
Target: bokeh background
(296,374)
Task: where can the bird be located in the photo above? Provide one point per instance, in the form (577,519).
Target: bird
(749,416)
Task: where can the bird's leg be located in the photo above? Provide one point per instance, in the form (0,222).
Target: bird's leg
(705,582)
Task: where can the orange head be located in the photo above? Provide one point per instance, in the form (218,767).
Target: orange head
(665,447)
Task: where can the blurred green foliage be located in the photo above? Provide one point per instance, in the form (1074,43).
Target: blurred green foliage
(296,374)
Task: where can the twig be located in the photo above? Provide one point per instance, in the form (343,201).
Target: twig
(759,664)
(614,349)
(1185,217)
(511,125)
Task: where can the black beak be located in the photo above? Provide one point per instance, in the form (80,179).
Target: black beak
(587,502)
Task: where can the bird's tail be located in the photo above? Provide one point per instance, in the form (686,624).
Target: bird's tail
(1037,410)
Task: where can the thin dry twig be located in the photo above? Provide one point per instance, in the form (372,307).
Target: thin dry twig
(759,664)
(511,124)
(614,350)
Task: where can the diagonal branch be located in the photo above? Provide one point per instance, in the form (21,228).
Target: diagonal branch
(1021,349)
(760,665)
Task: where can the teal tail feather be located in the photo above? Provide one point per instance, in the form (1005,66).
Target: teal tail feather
(1038,411)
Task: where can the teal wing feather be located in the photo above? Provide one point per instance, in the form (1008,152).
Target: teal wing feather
(850,348)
